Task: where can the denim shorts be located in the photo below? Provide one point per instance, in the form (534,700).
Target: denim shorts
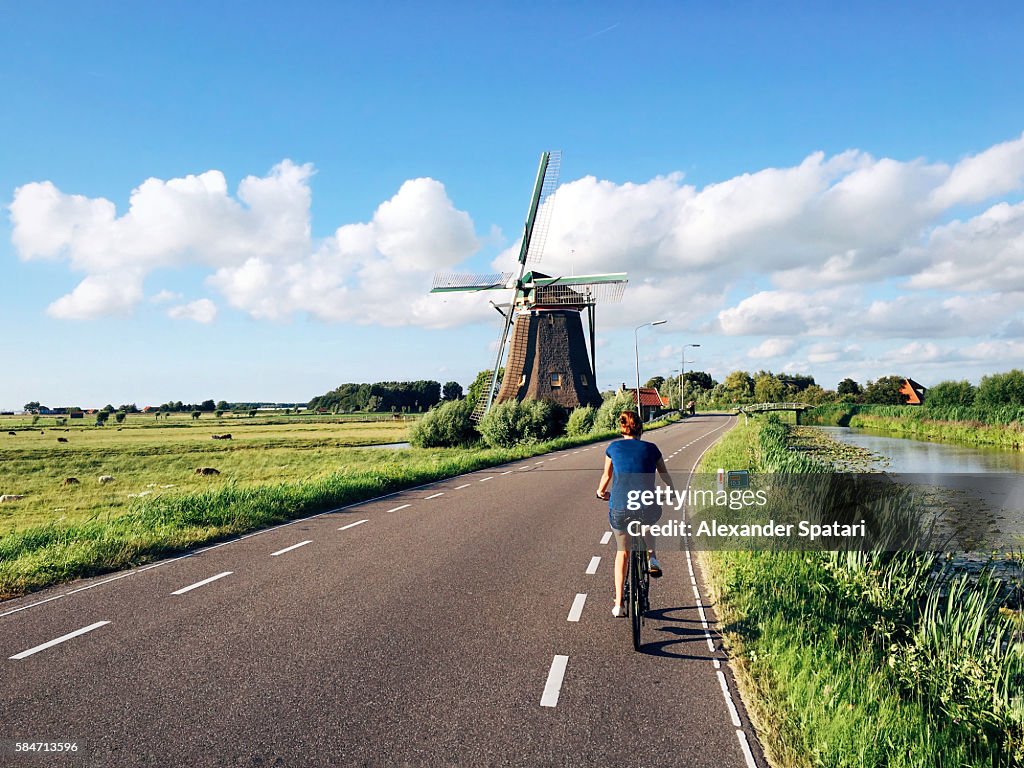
(618,518)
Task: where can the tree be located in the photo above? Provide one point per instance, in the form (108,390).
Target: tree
(452,390)
(885,391)
(196,415)
(698,380)
(101,418)
(848,387)
(374,403)
(767,388)
(120,416)
(951,393)
(739,385)
(33,406)
(223,405)
(218,413)
(655,382)
(108,408)
(207,405)
(1000,389)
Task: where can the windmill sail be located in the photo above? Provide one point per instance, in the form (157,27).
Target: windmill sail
(546,206)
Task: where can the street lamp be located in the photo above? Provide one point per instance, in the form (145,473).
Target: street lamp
(682,379)
(636,352)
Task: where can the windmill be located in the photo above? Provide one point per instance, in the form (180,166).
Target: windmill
(548,357)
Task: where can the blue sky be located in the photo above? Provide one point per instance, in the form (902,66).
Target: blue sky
(422,123)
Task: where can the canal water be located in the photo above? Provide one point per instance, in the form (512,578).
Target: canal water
(981,490)
(921,457)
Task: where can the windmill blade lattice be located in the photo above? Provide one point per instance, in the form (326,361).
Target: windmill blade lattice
(459,281)
(547,206)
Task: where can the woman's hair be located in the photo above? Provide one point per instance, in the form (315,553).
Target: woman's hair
(630,424)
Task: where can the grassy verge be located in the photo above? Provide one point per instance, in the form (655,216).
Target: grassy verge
(153,527)
(852,659)
(1003,427)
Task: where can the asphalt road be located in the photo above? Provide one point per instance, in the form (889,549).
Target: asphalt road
(463,623)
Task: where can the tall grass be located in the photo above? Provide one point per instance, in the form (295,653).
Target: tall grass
(867,658)
(998,426)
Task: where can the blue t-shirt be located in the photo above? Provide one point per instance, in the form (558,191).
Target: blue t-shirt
(634,463)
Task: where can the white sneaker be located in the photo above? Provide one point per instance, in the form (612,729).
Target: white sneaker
(618,611)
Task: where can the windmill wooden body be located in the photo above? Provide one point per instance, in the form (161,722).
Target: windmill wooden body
(548,356)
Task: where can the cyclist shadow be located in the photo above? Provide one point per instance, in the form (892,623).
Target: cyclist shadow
(677,636)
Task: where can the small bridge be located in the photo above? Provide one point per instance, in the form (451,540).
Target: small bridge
(797,408)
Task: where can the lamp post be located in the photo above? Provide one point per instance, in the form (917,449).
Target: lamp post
(636,352)
(682,379)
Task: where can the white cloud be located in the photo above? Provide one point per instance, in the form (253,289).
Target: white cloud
(258,244)
(199,311)
(164,297)
(771,348)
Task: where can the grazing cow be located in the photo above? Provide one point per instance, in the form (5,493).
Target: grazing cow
(62,439)
(104,479)
(11,497)
(13,434)
(70,481)
(207,471)
(221,437)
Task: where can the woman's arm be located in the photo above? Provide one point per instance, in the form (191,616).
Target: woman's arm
(606,480)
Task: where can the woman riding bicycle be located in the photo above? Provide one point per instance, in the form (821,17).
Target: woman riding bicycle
(630,465)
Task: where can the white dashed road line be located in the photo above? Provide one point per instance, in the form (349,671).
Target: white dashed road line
(293,546)
(577,607)
(434,496)
(97,625)
(592,568)
(352,525)
(401,506)
(485,479)
(464,485)
(554,684)
(202,583)
(607,537)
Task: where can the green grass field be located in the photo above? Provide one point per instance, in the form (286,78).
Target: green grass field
(151,458)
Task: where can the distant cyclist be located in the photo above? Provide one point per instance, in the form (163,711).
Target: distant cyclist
(630,465)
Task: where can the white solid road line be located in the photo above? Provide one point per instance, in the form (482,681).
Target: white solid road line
(293,546)
(607,537)
(434,496)
(31,605)
(464,485)
(352,525)
(202,583)
(401,506)
(554,684)
(76,633)
(577,607)
(745,746)
(592,568)
(728,699)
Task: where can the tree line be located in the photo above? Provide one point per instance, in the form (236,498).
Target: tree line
(386,396)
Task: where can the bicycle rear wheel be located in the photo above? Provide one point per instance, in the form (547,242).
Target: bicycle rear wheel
(636,597)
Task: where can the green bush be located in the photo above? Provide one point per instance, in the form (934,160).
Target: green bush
(951,394)
(522,423)
(581,421)
(445,426)
(607,416)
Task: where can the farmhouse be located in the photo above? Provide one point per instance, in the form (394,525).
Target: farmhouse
(912,392)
